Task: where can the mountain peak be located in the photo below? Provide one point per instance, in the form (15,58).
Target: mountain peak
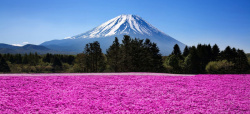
(125,24)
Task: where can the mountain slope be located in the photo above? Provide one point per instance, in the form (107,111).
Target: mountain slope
(6,48)
(131,25)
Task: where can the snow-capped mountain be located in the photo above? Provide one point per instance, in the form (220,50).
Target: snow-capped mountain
(131,25)
(123,24)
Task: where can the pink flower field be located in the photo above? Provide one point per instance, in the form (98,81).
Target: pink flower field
(124,94)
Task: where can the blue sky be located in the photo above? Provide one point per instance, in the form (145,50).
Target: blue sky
(224,22)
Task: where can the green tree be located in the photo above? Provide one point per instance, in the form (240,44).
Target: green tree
(177,51)
(215,52)
(187,64)
(156,63)
(25,59)
(114,56)
(4,67)
(48,58)
(87,58)
(186,51)
(241,62)
(70,59)
(173,61)
(205,54)
(11,59)
(219,67)
(95,60)
(57,64)
(194,61)
(18,59)
(80,63)
(227,54)
(137,55)
(126,55)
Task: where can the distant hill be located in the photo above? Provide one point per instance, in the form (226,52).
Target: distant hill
(6,48)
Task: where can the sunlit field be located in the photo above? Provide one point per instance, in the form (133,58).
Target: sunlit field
(66,93)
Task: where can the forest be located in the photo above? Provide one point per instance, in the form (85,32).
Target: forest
(132,55)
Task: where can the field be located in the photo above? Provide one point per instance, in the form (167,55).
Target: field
(124,93)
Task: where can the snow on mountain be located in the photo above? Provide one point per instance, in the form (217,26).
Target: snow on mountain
(120,25)
(132,25)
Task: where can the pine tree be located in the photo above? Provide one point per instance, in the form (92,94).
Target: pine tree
(98,57)
(36,58)
(3,65)
(80,63)
(57,64)
(147,59)
(186,51)
(25,59)
(114,55)
(176,50)
(173,61)
(126,55)
(87,58)
(241,62)
(136,54)
(18,58)
(194,61)
(94,58)
(205,53)
(156,63)
(11,59)
(70,59)
(48,58)
(215,52)
(227,54)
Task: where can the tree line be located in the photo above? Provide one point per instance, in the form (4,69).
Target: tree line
(207,59)
(131,55)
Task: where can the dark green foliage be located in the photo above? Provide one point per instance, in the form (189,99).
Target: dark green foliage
(57,64)
(25,59)
(194,65)
(70,59)
(241,62)
(125,50)
(215,52)
(177,51)
(229,54)
(205,55)
(173,61)
(114,56)
(94,59)
(48,58)
(198,59)
(4,67)
(80,63)
(186,51)
(248,57)
(18,59)
(156,59)
(134,55)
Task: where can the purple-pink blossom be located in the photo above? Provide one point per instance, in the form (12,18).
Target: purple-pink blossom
(125,94)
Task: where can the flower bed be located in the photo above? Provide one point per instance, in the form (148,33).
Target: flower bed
(125,94)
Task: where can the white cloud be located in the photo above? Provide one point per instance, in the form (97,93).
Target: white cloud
(16,44)
(25,42)
(67,38)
